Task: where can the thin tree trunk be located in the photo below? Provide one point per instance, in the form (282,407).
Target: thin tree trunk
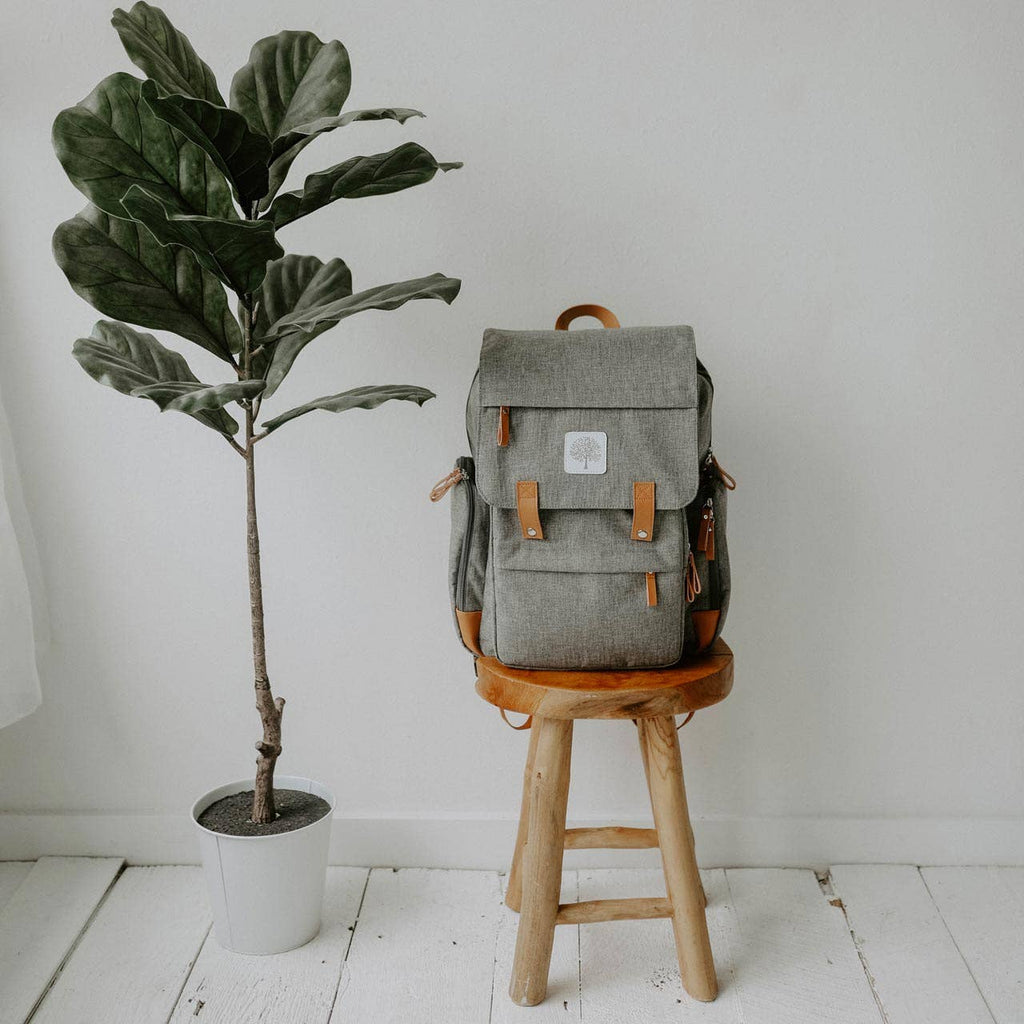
(270,709)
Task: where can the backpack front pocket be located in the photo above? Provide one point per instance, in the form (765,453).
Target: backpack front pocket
(588,597)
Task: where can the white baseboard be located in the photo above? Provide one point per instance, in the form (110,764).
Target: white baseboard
(486,842)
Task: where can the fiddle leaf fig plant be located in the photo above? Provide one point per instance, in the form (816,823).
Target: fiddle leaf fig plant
(185,203)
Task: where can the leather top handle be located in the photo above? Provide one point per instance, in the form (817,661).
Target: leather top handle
(606,316)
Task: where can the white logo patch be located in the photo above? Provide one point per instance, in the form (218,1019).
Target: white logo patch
(586,451)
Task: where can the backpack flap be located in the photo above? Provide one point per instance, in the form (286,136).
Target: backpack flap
(586,415)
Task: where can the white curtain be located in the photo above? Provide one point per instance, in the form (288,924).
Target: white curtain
(19,678)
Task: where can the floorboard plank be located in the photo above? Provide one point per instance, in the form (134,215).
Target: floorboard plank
(563,1002)
(12,874)
(298,986)
(629,971)
(40,922)
(794,957)
(423,950)
(915,968)
(132,961)
(984,910)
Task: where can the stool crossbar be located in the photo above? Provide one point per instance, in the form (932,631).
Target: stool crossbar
(652,698)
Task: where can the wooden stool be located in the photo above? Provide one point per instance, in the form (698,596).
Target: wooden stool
(652,698)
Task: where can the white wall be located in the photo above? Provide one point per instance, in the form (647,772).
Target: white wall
(832,195)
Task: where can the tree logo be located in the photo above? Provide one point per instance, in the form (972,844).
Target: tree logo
(586,451)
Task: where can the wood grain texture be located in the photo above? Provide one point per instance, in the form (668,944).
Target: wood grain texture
(682,879)
(697,683)
(40,923)
(984,910)
(914,966)
(514,885)
(630,908)
(12,874)
(542,861)
(423,950)
(562,1004)
(689,825)
(131,963)
(611,837)
(300,985)
(794,957)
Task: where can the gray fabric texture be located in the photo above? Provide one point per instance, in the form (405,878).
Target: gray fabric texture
(597,541)
(584,620)
(624,368)
(467,551)
(578,598)
(643,444)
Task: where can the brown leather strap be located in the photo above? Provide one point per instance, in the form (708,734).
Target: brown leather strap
(518,728)
(503,427)
(469,629)
(445,484)
(652,590)
(606,316)
(528,505)
(727,478)
(643,510)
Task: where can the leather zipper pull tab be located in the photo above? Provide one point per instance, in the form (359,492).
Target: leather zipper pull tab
(445,484)
(503,427)
(727,478)
(652,589)
(706,534)
(693,587)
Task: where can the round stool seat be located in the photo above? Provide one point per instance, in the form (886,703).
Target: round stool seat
(691,685)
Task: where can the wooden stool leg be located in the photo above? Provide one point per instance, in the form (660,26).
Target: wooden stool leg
(682,880)
(514,888)
(542,860)
(647,774)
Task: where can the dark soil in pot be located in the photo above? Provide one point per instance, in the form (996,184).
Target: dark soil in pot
(295,809)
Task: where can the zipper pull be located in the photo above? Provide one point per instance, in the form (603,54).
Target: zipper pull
(712,465)
(503,427)
(652,589)
(706,533)
(692,578)
(445,484)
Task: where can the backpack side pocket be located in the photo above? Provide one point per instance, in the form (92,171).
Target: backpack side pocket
(710,549)
(467,558)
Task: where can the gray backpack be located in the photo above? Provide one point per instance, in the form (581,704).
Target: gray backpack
(588,524)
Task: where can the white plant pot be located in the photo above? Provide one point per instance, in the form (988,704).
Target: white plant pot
(266,892)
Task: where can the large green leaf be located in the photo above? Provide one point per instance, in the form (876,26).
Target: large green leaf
(291,78)
(294,283)
(296,330)
(368,397)
(408,165)
(127,360)
(224,135)
(237,251)
(112,140)
(163,53)
(183,396)
(288,146)
(123,271)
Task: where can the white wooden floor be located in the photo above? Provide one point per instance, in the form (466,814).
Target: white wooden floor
(84,940)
